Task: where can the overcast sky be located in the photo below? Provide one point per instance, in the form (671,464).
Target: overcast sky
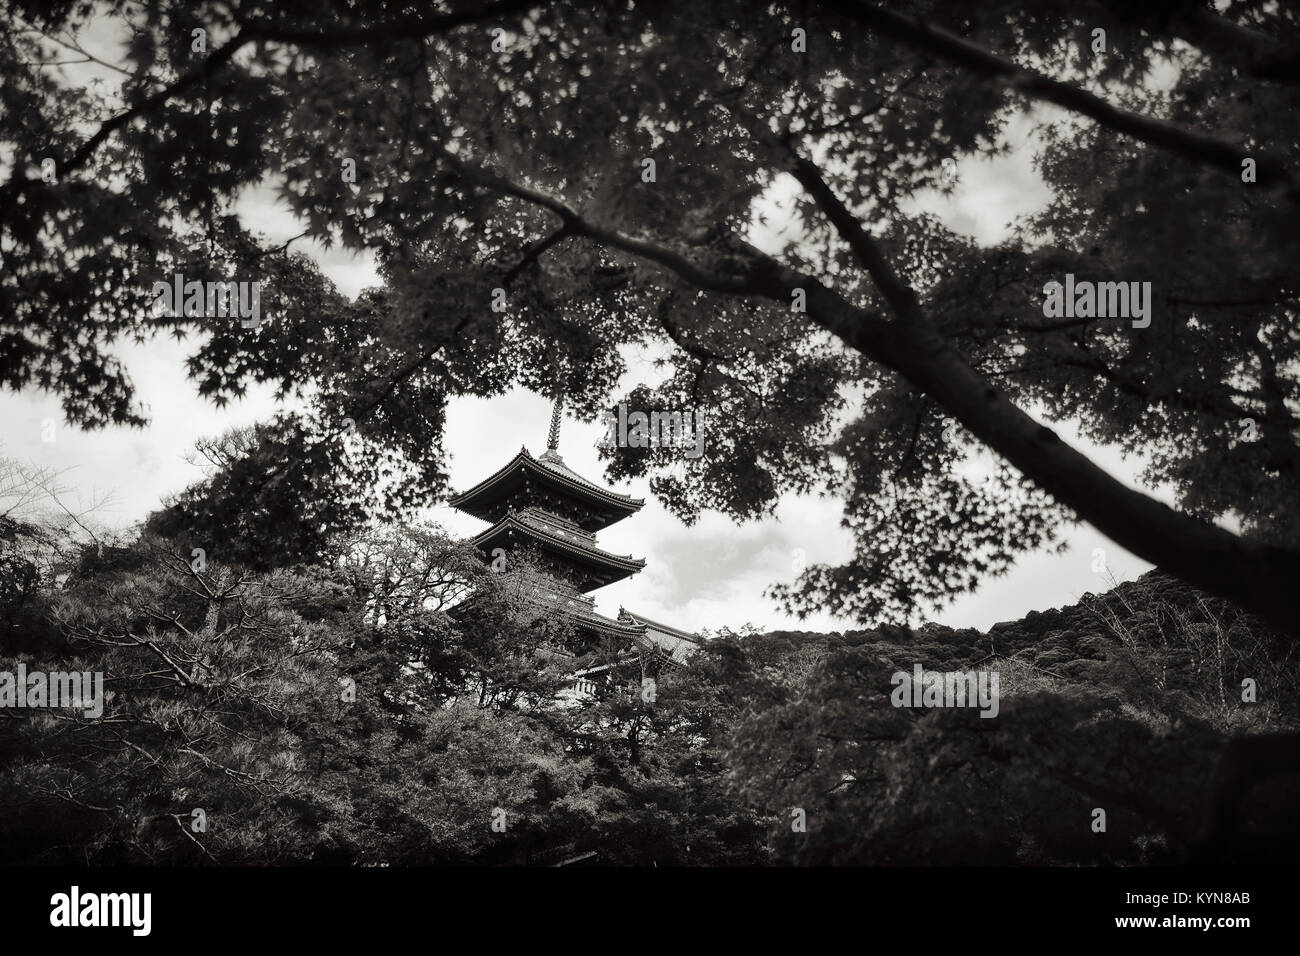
(706,576)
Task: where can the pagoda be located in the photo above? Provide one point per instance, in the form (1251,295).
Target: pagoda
(540,504)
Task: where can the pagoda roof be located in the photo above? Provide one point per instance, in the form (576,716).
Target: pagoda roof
(581,610)
(673,631)
(549,471)
(604,566)
(586,617)
(672,642)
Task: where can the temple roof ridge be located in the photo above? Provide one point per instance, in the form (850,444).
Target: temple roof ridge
(624,613)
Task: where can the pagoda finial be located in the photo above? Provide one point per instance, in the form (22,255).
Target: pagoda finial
(552,453)
(553,440)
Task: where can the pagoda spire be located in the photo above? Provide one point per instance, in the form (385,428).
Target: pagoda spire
(552,453)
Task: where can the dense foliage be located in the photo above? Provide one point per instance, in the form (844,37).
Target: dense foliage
(361,710)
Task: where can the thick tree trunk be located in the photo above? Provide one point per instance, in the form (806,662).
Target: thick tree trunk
(1256,576)
(1259,577)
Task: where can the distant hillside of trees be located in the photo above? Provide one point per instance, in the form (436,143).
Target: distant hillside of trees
(1155,632)
(1152,702)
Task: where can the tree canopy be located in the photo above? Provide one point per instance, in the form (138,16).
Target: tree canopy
(600,173)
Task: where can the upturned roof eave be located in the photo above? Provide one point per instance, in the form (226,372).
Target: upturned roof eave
(597,557)
(590,618)
(659,626)
(584,490)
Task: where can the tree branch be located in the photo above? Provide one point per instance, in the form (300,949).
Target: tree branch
(1250,51)
(407,28)
(532,255)
(1271,169)
(897,293)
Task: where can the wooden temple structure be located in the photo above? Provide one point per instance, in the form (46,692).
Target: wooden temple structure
(538,503)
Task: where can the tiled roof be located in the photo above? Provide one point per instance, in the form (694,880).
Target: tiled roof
(675,632)
(553,524)
(582,609)
(546,467)
(562,469)
(673,643)
(566,541)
